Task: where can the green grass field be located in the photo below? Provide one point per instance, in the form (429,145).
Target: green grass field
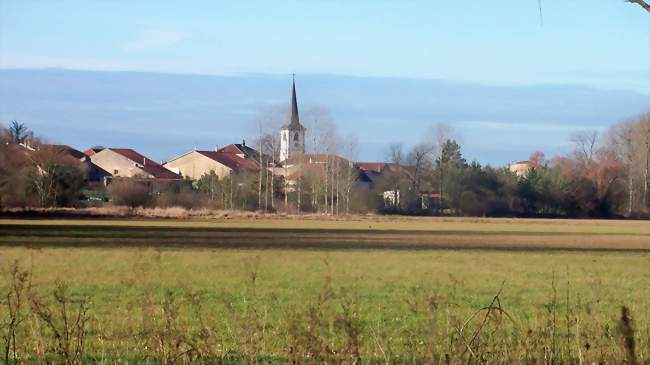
(383,290)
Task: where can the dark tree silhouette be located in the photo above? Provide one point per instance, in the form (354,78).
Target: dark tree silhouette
(18,132)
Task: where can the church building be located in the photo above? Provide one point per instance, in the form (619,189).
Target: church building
(292,133)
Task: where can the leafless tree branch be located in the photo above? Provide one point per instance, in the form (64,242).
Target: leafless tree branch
(641,3)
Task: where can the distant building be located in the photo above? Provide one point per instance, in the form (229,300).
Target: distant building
(93,172)
(69,156)
(377,167)
(310,165)
(370,173)
(91,151)
(429,200)
(292,133)
(391,198)
(127,163)
(243,151)
(234,158)
(522,168)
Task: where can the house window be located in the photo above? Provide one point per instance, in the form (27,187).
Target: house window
(115,172)
(295,137)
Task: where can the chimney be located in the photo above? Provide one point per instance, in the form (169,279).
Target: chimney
(243,142)
(216,148)
(144,161)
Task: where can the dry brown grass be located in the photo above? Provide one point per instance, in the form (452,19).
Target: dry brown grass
(128,212)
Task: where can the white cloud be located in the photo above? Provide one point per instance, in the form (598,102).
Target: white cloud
(153,39)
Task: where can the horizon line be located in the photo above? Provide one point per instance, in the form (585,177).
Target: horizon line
(275,75)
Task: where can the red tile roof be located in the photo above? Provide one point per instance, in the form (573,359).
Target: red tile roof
(307,170)
(148,165)
(430,195)
(371,166)
(316,158)
(248,152)
(231,160)
(91,151)
(231,148)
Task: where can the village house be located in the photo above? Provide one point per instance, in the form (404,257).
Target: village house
(370,172)
(93,172)
(237,158)
(243,151)
(127,163)
(67,155)
(311,165)
(234,158)
(522,168)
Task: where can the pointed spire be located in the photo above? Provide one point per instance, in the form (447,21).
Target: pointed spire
(294,119)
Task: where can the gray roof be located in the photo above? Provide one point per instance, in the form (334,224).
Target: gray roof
(293,122)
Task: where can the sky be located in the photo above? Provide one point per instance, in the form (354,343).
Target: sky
(597,44)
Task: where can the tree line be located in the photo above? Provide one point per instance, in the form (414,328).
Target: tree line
(36,174)
(606,175)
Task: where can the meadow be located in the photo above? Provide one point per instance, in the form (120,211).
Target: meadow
(322,290)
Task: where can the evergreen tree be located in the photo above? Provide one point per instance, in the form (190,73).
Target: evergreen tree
(18,132)
(448,164)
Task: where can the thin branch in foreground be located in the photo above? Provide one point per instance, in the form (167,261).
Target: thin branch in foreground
(641,3)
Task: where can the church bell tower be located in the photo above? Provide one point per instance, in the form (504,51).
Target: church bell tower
(292,133)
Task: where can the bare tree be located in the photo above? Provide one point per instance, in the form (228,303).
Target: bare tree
(419,159)
(645,129)
(396,153)
(19,132)
(274,152)
(625,135)
(300,157)
(266,126)
(631,141)
(332,167)
(322,142)
(396,158)
(440,133)
(260,145)
(58,177)
(266,161)
(585,145)
(350,152)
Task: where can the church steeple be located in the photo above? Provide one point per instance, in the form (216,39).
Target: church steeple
(292,134)
(293,122)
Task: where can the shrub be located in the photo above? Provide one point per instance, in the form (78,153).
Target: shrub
(130,192)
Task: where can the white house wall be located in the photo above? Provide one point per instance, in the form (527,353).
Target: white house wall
(117,165)
(194,165)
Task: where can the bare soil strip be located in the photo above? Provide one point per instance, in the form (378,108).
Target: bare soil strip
(92,235)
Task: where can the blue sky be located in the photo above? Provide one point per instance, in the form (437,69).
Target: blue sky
(605,43)
(589,62)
